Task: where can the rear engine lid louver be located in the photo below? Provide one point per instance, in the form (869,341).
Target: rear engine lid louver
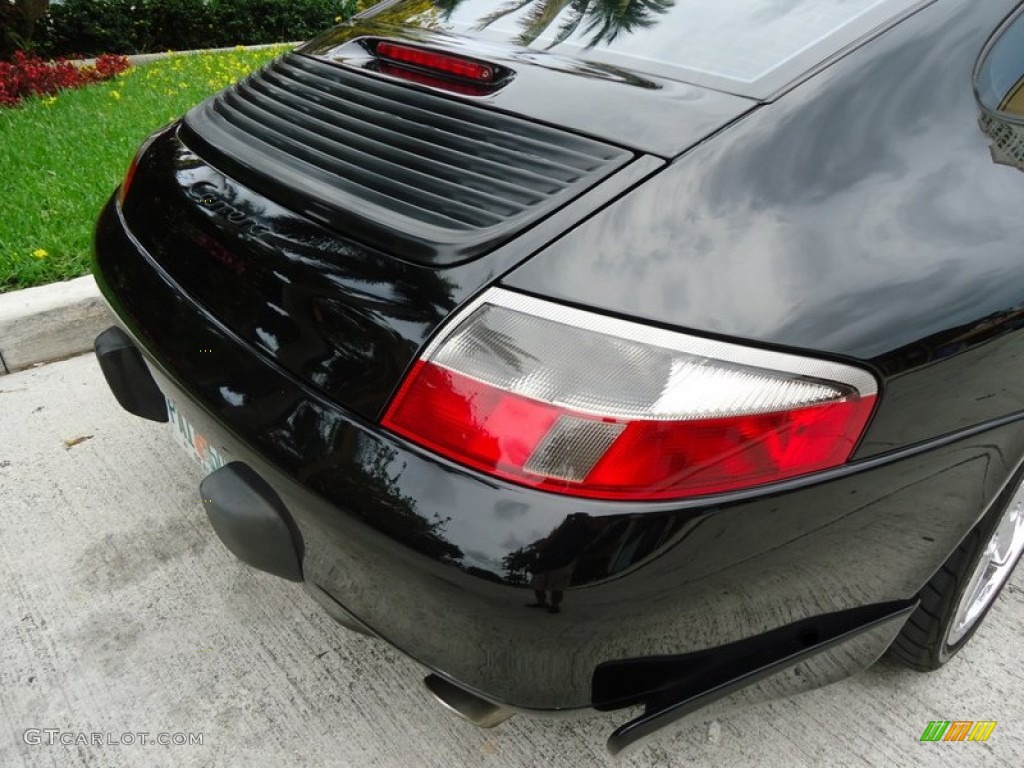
(427,178)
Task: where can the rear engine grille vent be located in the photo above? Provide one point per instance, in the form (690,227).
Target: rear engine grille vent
(425,177)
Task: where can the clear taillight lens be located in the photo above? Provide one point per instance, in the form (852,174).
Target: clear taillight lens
(575,402)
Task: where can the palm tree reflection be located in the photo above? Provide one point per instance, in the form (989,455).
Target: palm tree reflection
(601,21)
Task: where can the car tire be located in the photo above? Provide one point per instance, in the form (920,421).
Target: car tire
(943,622)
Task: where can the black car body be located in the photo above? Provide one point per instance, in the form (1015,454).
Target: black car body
(281,259)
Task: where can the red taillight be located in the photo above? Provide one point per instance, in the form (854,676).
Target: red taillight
(129,176)
(576,403)
(456,66)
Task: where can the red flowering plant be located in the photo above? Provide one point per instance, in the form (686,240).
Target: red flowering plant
(28,75)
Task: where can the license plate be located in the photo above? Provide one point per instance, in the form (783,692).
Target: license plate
(195,444)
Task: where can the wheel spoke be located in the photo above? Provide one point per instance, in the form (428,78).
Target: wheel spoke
(992,570)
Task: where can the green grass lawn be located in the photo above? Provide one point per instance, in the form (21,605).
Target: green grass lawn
(61,157)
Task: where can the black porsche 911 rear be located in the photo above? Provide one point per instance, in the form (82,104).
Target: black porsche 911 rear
(407,293)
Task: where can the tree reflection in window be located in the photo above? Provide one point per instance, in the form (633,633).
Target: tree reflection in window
(600,20)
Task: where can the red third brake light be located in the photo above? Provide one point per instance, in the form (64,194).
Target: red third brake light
(436,62)
(577,403)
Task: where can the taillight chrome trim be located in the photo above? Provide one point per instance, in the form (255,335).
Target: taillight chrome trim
(859,379)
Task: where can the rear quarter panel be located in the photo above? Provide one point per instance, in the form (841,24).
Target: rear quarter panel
(860,216)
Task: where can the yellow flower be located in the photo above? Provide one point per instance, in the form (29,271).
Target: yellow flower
(39,253)
(337,19)
(115,94)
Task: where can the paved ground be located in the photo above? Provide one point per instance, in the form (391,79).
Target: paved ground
(121,612)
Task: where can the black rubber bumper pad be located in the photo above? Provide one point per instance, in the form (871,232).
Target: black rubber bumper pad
(127,375)
(252,521)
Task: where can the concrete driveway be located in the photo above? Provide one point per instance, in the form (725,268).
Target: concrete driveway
(121,613)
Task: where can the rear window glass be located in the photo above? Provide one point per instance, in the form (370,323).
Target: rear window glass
(751,47)
(999,78)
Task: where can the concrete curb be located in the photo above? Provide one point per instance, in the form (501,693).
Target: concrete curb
(143,58)
(50,322)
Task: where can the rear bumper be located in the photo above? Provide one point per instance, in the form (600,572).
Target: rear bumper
(669,603)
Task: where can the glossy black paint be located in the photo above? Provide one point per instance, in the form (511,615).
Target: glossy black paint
(651,114)
(687,684)
(344,316)
(661,681)
(434,558)
(861,216)
(431,178)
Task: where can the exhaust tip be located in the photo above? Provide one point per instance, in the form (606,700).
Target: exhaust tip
(466,705)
